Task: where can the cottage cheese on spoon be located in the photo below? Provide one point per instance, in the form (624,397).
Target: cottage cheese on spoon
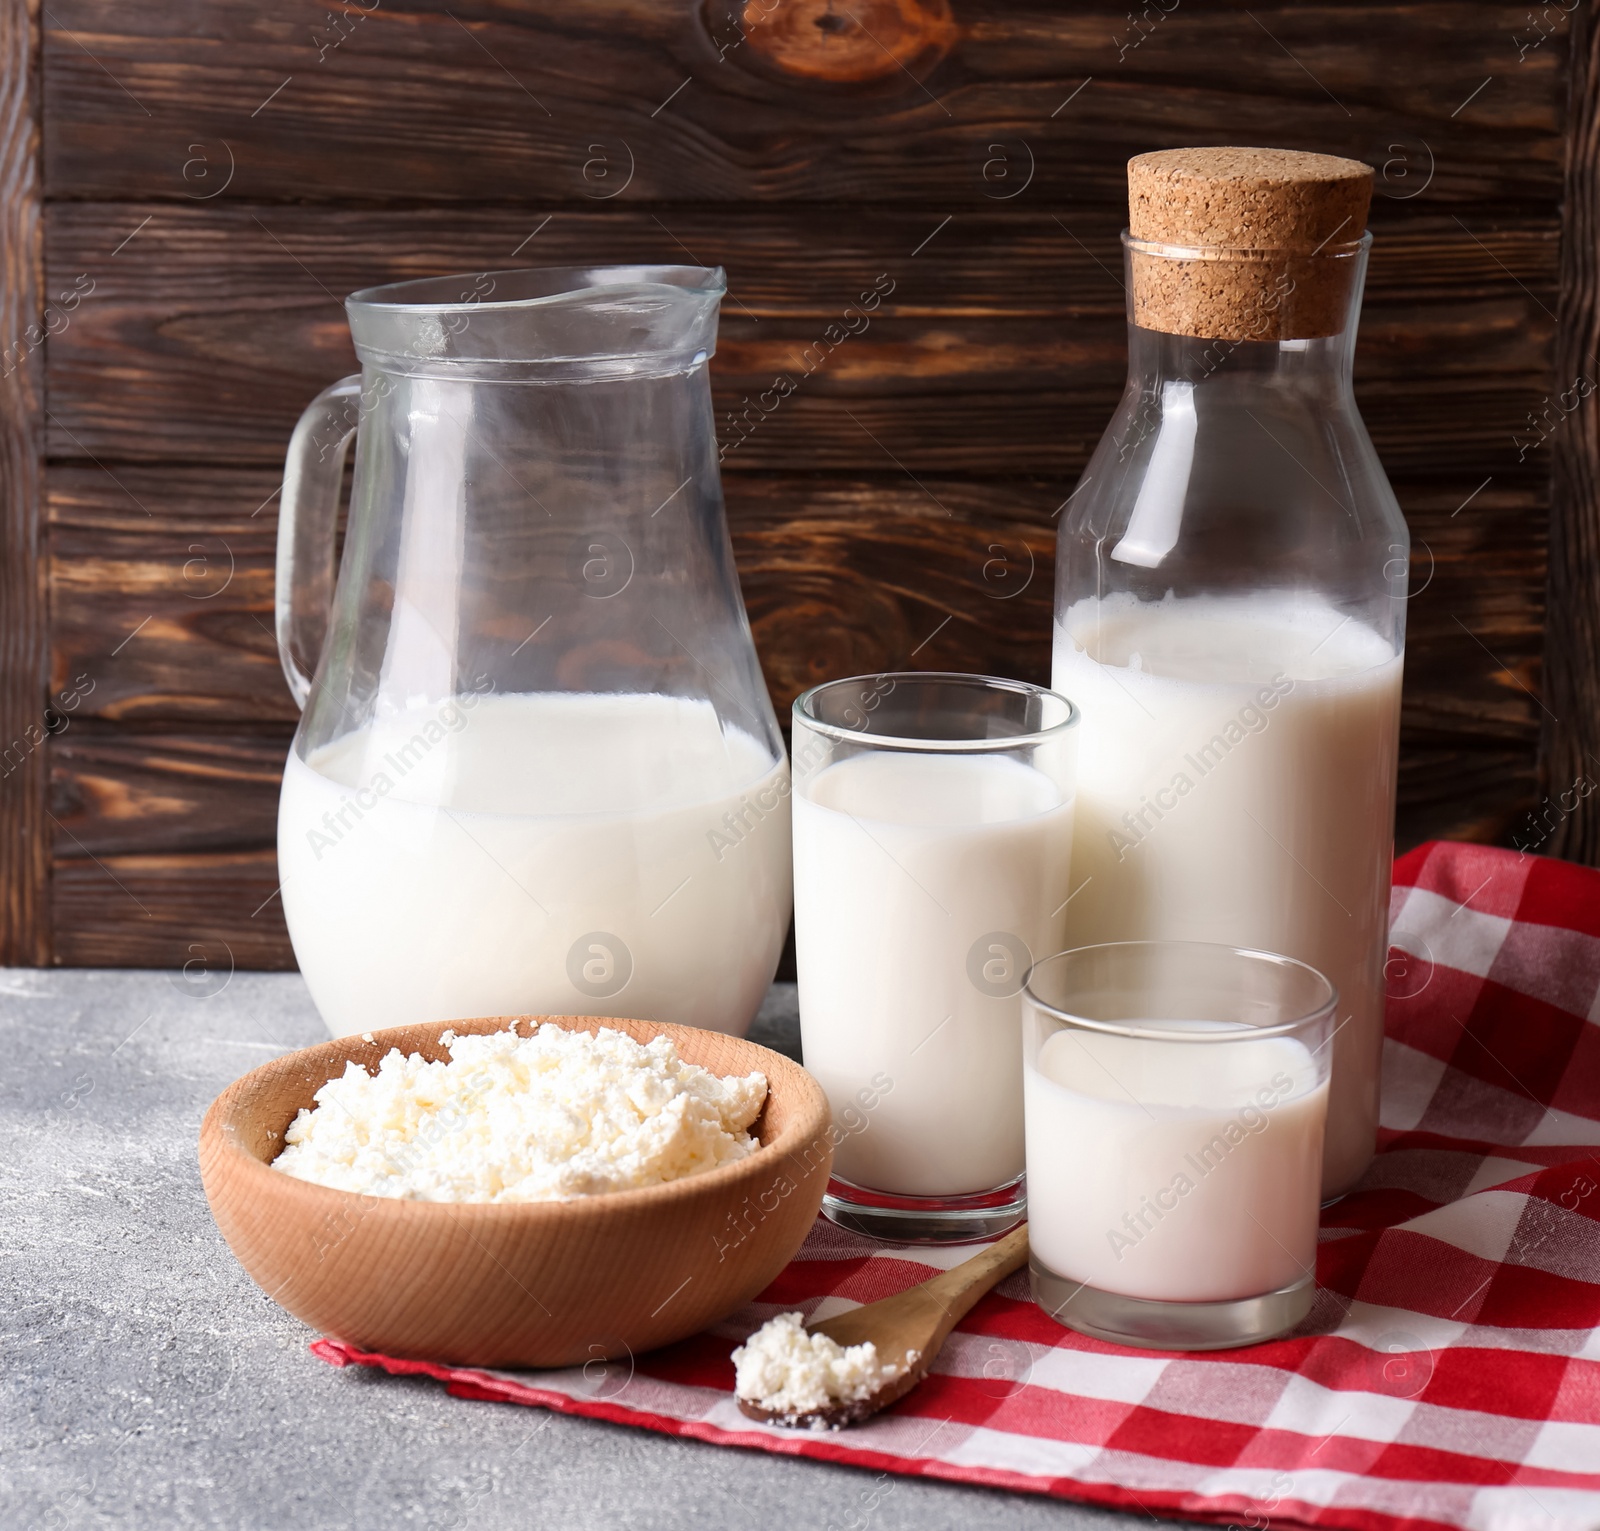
(807,1379)
(548,1117)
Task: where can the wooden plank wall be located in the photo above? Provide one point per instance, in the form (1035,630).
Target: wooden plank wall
(1570,725)
(25,831)
(218,174)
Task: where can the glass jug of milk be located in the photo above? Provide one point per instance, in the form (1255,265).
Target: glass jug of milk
(537,770)
(1230,600)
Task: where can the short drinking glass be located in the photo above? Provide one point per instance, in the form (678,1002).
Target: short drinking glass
(933,847)
(1176,1098)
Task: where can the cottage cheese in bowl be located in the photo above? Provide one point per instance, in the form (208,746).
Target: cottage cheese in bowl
(552,1116)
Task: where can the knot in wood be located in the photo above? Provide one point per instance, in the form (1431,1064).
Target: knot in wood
(848,42)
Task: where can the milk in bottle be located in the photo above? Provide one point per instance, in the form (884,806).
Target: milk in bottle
(1230,600)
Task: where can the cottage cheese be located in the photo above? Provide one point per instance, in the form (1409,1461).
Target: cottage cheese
(547,1117)
(792,1374)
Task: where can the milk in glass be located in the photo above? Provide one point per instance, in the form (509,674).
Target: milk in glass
(916,876)
(1185,1172)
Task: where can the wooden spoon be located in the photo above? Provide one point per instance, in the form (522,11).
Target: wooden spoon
(916,1320)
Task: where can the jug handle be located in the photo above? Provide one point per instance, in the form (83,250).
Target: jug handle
(308,513)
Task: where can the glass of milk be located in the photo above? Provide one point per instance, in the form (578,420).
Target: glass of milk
(538,771)
(932,857)
(1177,1095)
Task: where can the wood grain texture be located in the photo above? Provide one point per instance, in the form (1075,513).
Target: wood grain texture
(223,174)
(840,576)
(218,909)
(498,100)
(1472,792)
(175,794)
(24,721)
(161,594)
(1571,732)
(218,326)
(994,262)
(148,794)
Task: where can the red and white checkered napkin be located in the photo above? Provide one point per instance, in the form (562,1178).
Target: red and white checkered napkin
(1449,1374)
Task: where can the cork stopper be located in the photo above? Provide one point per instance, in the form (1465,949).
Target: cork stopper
(1271,231)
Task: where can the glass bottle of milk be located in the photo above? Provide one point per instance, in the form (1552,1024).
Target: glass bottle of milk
(1230,599)
(538,771)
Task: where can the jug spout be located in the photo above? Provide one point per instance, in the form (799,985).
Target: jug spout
(562,324)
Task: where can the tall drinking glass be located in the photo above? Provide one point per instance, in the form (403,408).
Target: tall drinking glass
(933,847)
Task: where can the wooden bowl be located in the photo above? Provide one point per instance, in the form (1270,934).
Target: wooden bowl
(531,1284)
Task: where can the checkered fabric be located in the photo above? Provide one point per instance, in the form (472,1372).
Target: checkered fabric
(1449,1374)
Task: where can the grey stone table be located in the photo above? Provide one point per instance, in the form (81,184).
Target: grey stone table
(145,1382)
